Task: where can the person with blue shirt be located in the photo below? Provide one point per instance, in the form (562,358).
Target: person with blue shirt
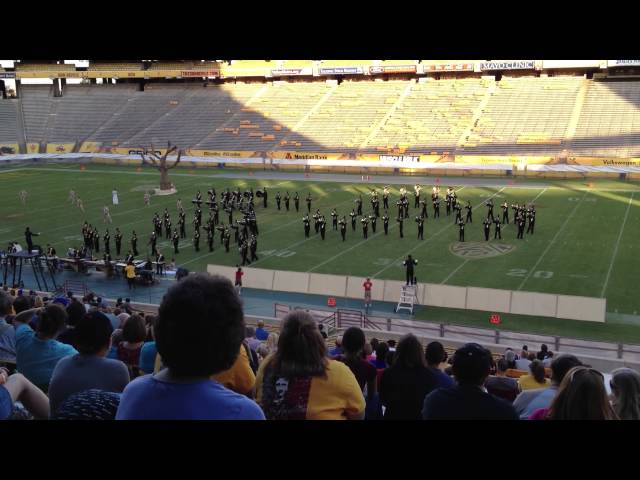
(435,355)
(199,331)
(38,353)
(7,332)
(149,350)
(261,333)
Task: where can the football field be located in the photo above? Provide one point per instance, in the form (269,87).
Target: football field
(584,241)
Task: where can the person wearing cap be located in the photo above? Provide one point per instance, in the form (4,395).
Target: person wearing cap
(89,368)
(468,399)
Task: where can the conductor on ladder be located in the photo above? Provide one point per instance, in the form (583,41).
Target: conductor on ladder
(409,263)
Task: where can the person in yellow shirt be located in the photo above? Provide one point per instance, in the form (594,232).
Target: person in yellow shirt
(299,381)
(130,273)
(536,379)
(239,378)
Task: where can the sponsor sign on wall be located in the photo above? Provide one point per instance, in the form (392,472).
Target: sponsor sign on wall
(7,74)
(570,63)
(341,71)
(291,72)
(392,69)
(623,63)
(508,65)
(448,67)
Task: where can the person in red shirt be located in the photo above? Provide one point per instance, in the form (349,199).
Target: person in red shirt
(367,292)
(239,274)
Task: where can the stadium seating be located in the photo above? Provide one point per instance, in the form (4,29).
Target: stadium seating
(36,107)
(8,121)
(64,67)
(98,66)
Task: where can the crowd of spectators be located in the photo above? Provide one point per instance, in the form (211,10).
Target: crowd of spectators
(70,358)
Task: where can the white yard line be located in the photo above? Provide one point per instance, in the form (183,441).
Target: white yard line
(395,262)
(615,250)
(360,243)
(553,240)
(454,272)
(538,196)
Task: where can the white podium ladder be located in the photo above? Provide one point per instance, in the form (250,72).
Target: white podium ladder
(408,298)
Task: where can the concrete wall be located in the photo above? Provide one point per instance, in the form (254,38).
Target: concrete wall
(448,296)
(582,308)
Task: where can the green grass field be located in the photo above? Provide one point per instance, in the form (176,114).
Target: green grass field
(584,243)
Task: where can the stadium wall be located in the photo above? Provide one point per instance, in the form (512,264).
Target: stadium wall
(431,295)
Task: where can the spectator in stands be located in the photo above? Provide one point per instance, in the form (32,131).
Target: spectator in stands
(547,361)
(530,400)
(149,351)
(536,379)
(39,352)
(467,399)
(500,385)
(199,333)
(374,344)
(261,333)
(268,347)
(7,332)
(75,311)
(581,396)
(353,342)
(392,345)
(523,362)
(367,354)
(382,350)
(127,306)
(407,382)
(134,334)
(16,388)
(436,356)
(625,390)
(299,382)
(337,350)
(241,377)
(543,353)
(89,405)
(20,304)
(88,369)
(250,337)
(510,357)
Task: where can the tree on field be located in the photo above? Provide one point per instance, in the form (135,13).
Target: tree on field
(160,162)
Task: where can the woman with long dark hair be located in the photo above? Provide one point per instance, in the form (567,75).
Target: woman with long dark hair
(536,379)
(300,382)
(625,390)
(405,384)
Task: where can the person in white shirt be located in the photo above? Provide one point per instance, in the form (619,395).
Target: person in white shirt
(114,195)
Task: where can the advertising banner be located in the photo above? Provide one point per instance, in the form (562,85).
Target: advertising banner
(508,65)
(341,71)
(60,147)
(7,74)
(623,63)
(33,147)
(447,67)
(291,72)
(570,64)
(90,147)
(9,148)
(199,73)
(223,153)
(392,69)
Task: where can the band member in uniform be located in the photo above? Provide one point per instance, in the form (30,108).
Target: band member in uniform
(521,224)
(159,263)
(167,227)
(307,225)
(505,213)
(80,204)
(374,221)
(376,206)
(286,201)
(400,220)
(183,234)
(515,207)
(129,258)
(278,199)
(106,216)
(498,232)
(179,204)
(448,203)
(198,199)
(420,222)
(322,223)
(436,208)
(210,237)
(487,228)
(196,239)
(423,205)
(385,197)
(385,222)
(118,239)
(244,250)
(532,219)
(72,196)
(343,227)
(461,230)
(405,204)
(107,239)
(316,220)
(227,238)
(309,202)
(409,263)
(365,226)
(27,235)
(114,196)
(147,199)
(134,244)
(458,209)
(175,238)
(490,207)
(264,197)
(469,212)
(354,217)
(296,201)
(253,247)
(400,205)
(96,240)
(416,195)
(359,204)
(334,219)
